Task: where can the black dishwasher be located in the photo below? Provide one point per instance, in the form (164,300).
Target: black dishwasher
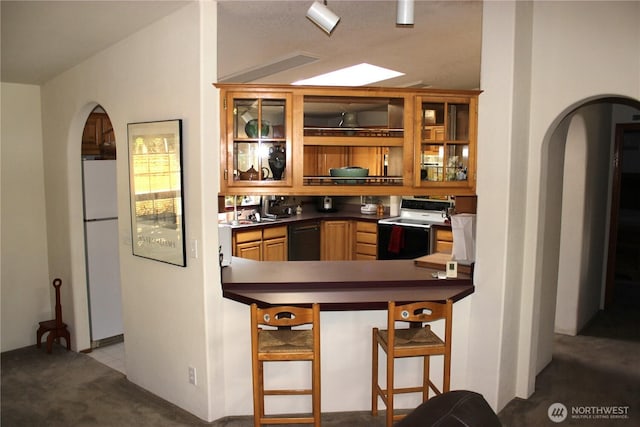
(304,241)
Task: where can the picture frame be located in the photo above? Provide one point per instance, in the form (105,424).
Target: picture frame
(156,191)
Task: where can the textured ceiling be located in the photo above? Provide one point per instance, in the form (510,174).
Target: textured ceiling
(41,39)
(442,49)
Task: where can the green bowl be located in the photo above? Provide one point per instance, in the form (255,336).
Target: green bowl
(348,172)
(251,128)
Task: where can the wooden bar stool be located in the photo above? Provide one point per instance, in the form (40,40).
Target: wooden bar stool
(55,327)
(412,341)
(274,339)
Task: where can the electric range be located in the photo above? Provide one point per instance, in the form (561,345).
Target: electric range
(408,236)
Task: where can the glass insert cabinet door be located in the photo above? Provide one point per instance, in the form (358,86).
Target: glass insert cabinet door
(444,140)
(260,152)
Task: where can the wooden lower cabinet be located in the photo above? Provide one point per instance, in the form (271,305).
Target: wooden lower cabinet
(274,244)
(249,250)
(366,240)
(340,240)
(442,239)
(336,241)
(268,244)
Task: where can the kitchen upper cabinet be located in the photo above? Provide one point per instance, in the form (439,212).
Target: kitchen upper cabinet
(319,160)
(256,127)
(351,128)
(98,139)
(446,150)
(335,240)
(280,139)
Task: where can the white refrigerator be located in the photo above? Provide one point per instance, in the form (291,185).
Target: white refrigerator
(101,242)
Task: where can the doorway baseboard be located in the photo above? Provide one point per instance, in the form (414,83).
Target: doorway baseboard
(107,341)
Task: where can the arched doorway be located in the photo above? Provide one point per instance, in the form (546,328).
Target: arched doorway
(575,199)
(99,177)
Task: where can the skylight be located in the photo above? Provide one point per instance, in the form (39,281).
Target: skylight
(356,75)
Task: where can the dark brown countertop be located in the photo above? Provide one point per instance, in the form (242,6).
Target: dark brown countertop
(311,214)
(338,285)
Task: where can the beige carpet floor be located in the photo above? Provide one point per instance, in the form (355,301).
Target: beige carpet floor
(71,389)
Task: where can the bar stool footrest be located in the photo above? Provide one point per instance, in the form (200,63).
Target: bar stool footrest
(287,392)
(287,420)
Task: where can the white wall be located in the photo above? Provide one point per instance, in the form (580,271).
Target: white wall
(584,210)
(157,74)
(27,295)
(540,60)
(567,37)
(501,162)
(571,238)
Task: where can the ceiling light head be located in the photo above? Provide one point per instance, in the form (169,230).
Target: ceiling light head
(404,14)
(323,17)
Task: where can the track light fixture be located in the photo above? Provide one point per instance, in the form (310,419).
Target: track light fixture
(323,17)
(405,12)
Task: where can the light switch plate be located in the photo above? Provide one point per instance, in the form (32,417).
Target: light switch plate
(193,248)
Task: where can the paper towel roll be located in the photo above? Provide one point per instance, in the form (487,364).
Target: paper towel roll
(463,227)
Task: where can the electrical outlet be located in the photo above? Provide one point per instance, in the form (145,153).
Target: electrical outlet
(192,376)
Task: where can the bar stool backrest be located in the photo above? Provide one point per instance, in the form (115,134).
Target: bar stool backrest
(419,312)
(284,316)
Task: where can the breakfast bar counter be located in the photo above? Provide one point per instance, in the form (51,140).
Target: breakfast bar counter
(338,285)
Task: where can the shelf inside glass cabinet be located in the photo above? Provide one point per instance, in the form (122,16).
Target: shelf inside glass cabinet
(368,180)
(355,131)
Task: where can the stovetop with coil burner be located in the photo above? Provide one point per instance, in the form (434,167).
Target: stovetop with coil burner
(419,213)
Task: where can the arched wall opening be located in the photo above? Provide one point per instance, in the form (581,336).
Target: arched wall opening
(101,236)
(575,201)
(78,298)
